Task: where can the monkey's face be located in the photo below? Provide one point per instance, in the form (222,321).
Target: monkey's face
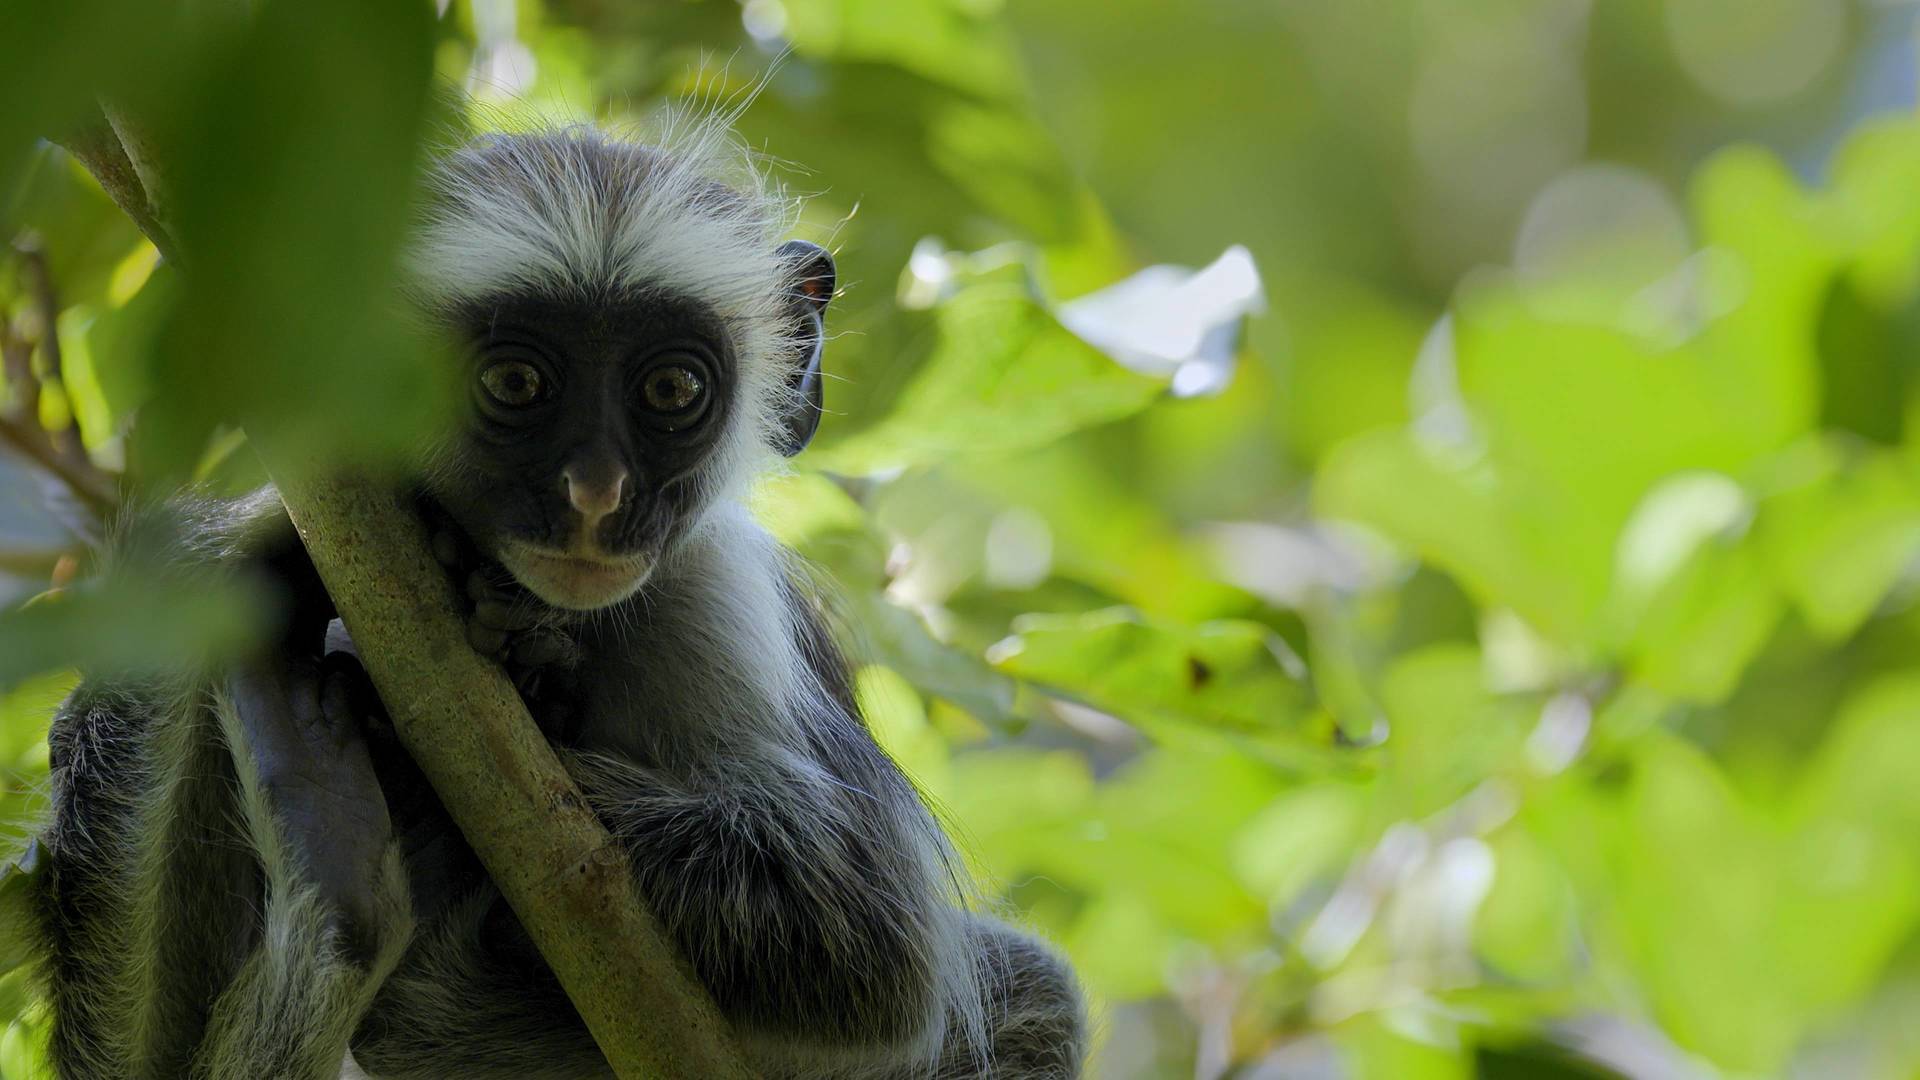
(593,430)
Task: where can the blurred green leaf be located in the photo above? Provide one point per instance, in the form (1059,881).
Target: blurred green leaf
(1301,838)
(137,624)
(1005,376)
(1528,927)
(1699,880)
(1227,673)
(289,317)
(20,878)
(1702,629)
(942,40)
(1838,541)
(1445,731)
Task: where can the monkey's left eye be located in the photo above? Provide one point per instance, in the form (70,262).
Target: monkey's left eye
(672,388)
(514,383)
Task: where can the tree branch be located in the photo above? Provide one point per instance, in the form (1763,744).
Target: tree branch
(100,148)
(461,719)
(86,486)
(564,875)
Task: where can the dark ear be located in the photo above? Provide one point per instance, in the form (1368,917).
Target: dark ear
(811,274)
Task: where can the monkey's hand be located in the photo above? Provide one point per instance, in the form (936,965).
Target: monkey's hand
(302,721)
(507,623)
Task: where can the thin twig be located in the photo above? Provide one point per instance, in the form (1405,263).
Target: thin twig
(34,565)
(16,372)
(46,302)
(89,486)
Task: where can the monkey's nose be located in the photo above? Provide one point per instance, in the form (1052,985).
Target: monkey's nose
(594,496)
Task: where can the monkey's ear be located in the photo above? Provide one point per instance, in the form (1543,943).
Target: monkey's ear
(811,274)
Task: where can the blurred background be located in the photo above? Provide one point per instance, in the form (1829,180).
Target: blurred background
(1389,527)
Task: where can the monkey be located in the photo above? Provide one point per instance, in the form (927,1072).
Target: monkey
(245,875)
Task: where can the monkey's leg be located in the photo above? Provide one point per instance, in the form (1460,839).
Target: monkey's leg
(1035,1020)
(194,924)
(473,999)
(146,901)
(336,913)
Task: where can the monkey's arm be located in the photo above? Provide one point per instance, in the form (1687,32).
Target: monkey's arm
(807,909)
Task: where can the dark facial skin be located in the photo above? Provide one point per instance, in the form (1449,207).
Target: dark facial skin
(593,416)
(590,422)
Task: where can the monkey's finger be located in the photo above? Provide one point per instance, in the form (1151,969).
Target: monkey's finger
(486,640)
(542,647)
(504,614)
(480,587)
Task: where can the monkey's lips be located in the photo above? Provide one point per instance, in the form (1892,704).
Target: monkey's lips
(577,581)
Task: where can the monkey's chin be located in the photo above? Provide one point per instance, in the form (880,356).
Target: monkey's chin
(576,582)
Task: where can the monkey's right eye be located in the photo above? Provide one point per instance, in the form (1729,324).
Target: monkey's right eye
(513,383)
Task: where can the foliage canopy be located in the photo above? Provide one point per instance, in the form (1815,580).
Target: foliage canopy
(1513,668)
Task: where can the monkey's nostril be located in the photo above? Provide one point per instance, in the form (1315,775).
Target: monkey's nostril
(594,499)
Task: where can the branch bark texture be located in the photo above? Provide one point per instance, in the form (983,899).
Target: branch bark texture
(565,876)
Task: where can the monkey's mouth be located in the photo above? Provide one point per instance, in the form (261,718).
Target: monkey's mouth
(571,580)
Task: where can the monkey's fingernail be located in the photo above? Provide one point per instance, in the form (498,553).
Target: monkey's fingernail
(486,639)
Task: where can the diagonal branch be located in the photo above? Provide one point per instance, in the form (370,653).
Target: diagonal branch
(87,486)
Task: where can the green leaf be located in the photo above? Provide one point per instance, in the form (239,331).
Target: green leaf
(1233,674)
(1455,512)
(898,719)
(25,712)
(939,40)
(1873,175)
(1743,934)
(59,57)
(1345,354)
(20,880)
(1121,947)
(1015,810)
(1301,838)
(1837,542)
(1528,926)
(1005,376)
(137,623)
(1445,731)
(1700,632)
(290,319)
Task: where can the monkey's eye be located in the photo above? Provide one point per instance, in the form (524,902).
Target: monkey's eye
(514,383)
(671,388)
